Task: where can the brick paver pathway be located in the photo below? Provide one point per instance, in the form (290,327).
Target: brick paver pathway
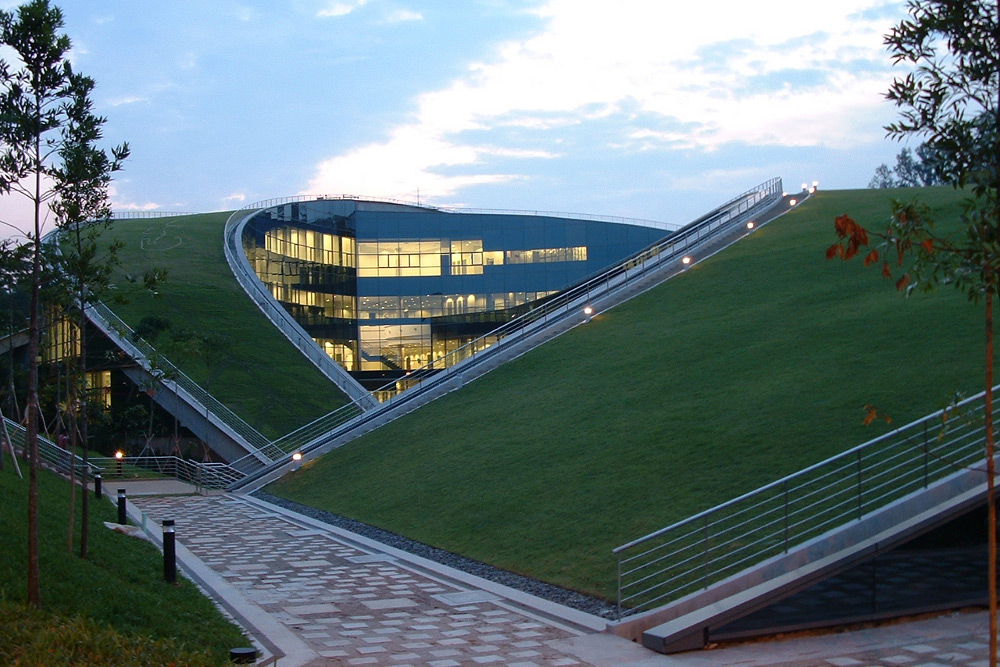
(352,607)
(358,607)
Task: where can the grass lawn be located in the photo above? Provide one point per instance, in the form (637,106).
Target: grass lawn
(117,593)
(755,363)
(261,377)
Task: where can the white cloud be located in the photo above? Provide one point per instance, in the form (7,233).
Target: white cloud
(403,16)
(135,206)
(758,73)
(118,204)
(236,196)
(340,8)
(128,99)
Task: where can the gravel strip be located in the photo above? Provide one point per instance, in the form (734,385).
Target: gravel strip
(541,589)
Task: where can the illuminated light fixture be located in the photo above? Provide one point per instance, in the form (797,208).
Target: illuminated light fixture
(792,202)
(805,187)
(812,191)
(119,455)
(750,225)
(297,456)
(815,184)
(686,260)
(588,310)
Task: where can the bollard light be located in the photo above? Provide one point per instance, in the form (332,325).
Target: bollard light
(686,260)
(750,225)
(588,311)
(119,455)
(169,552)
(97,486)
(792,202)
(243,656)
(121,507)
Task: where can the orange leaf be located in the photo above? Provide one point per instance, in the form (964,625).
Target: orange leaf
(870,416)
(841,225)
(835,250)
(872,257)
(886,271)
(928,246)
(903,282)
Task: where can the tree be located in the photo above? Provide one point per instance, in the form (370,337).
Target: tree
(47,152)
(952,99)
(883,178)
(906,170)
(910,171)
(83,271)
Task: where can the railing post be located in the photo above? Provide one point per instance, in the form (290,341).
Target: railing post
(618,606)
(706,551)
(926,455)
(786,516)
(859,484)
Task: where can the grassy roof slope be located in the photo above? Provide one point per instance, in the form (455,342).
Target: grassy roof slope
(755,363)
(261,376)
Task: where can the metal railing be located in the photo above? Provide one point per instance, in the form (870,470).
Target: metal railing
(314,434)
(293,330)
(732,214)
(50,453)
(168,374)
(282,319)
(147,215)
(692,554)
(202,475)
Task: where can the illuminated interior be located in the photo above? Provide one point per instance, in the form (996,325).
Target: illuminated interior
(385,289)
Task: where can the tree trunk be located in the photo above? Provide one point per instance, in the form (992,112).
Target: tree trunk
(82,393)
(991,507)
(31,432)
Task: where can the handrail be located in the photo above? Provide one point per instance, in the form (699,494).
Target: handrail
(726,217)
(281,318)
(50,452)
(711,545)
(202,475)
(441,370)
(165,371)
(292,199)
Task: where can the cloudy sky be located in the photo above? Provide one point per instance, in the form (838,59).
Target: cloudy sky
(649,109)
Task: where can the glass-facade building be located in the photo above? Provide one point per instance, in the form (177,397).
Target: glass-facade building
(387,288)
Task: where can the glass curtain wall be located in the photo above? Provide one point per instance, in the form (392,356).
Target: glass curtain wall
(385,289)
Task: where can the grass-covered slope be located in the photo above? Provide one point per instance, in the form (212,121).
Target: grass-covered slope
(757,362)
(260,376)
(112,608)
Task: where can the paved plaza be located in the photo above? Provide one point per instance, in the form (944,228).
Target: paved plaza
(317,595)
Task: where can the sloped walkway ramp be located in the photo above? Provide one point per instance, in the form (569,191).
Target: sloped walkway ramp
(722,564)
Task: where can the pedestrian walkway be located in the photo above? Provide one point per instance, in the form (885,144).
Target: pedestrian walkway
(349,605)
(317,595)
